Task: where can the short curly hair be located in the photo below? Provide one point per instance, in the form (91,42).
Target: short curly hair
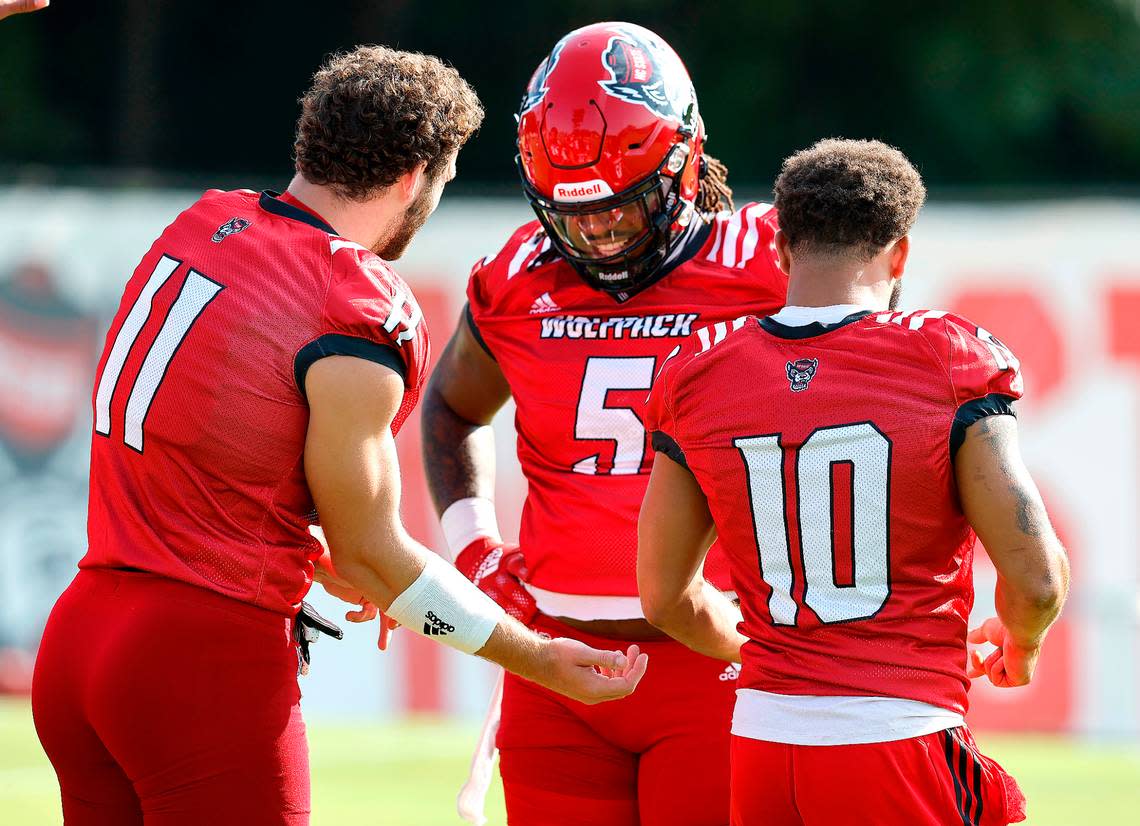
(848,197)
(373,113)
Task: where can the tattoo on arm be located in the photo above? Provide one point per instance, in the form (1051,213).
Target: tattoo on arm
(1028,510)
(459,456)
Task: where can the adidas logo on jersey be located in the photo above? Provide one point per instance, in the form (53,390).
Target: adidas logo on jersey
(435,627)
(730,673)
(544,304)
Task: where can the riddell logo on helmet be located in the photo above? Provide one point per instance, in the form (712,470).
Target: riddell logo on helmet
(584,191)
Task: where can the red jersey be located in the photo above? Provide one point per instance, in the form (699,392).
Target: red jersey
(826,453)
(580,364)
(200,410)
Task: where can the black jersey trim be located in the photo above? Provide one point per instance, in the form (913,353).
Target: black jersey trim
(474,328)
(270,202)
(995,404)
(664,443)
(816,328)
(335,344)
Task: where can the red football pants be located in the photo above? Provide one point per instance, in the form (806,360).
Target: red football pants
(656,758)
(939,779)
(164,704)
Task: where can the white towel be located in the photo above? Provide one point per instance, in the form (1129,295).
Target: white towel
(472,798)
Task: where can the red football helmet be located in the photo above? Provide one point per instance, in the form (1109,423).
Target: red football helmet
(610,146)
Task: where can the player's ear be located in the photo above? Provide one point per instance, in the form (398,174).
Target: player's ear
(899,254)
(783,252)
(412,182)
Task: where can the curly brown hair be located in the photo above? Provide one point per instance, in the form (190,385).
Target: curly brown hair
(848,197)
(373,113)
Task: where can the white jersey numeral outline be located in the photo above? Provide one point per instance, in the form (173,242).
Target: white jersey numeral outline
(1003,356)
(196,293)
(594,420)
(399,316)
(868,451)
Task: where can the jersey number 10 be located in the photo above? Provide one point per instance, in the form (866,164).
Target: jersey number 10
(197,291)
(867,451)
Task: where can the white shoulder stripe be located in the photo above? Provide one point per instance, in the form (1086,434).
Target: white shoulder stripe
(731,233)
(752,237)
(526,248)
(913,320)
(338,244)
(719,221)
(917,319)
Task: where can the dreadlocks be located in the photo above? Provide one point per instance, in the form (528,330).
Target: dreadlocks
(714,194)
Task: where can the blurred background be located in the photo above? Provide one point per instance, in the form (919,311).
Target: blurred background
(1023,117)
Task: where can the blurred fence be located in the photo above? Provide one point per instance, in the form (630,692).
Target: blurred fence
(1059,281)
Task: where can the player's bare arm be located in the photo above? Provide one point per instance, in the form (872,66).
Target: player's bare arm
(1004,507)
(464,393)
(674,533)
(10,7)
(353,473)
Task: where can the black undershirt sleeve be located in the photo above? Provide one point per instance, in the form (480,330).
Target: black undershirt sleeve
(995,404)
(335,344)
(471,325)
(664,443)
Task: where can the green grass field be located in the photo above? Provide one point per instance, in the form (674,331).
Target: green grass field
(407,774)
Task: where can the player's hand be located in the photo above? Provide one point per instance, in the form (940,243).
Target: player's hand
(1009,665)
(591,676)
(10,7)
(499,570)
(365,613)
(326,575)
(346,593)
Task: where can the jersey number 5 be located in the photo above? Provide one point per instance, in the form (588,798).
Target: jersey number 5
(594,420)
(197,291)
(867,452)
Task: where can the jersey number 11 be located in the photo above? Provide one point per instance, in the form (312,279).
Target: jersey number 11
(197,291)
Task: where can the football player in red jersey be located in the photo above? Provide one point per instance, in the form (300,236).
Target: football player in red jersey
(635,246)
(846,454)
(262,359)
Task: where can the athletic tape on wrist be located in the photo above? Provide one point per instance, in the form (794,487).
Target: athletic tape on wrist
(466,520)
(444,606)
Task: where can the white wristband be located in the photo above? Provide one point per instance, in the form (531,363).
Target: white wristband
(444,606)
(466,520)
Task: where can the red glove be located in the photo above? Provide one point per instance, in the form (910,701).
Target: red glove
(498,570)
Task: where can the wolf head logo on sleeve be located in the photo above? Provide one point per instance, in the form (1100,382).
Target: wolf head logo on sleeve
(801,372)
